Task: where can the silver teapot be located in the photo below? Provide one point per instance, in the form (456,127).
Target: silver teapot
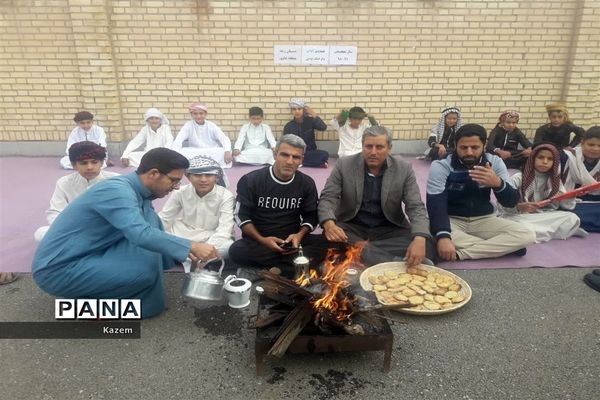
(204,284)
(301,263)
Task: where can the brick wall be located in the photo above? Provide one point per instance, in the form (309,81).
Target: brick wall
(116,58)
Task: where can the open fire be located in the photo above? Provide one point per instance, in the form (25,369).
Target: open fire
(320,311)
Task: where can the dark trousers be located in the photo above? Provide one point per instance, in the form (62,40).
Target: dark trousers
(385,243)
(315,158)
(247,252)
(589,214)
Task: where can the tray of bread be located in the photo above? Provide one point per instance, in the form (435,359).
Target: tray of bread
(420,290)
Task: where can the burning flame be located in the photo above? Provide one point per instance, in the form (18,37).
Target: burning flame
(335,278)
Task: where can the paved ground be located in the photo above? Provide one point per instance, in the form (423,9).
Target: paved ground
(526,334)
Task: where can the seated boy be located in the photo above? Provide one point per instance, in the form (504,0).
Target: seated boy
(350,126)
(505,139)
(85,131)
(203,138)
(203,210)
(255,143)
(583,168)
(156,133)
(87,158)
(442,138)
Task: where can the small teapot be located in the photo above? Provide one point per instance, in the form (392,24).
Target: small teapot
(301,263)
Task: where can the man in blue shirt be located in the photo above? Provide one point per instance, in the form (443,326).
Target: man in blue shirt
(109,243)
(463,219)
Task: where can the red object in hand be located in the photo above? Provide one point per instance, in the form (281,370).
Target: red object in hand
(570,194)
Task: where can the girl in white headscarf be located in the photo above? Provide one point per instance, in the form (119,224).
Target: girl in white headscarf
(156,133)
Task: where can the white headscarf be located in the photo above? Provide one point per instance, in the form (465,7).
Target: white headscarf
(155,112)
(297,102)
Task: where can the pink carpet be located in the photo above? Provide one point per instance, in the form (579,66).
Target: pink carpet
(27,184)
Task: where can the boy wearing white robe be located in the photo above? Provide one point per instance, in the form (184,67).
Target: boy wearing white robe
(583,168)
(203,210)
(539,181)
(350,125)
(87,158)
(85,131)
(255,143)
(203,138)
(156,133)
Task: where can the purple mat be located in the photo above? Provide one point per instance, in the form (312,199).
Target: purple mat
(27,184)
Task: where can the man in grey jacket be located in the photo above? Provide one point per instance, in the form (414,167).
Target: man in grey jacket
(363,199)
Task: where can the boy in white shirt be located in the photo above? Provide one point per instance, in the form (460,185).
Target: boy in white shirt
(203,138)
(87,159)
(203,210)
(156,133)
(255,143)
(85,131)
(350,125)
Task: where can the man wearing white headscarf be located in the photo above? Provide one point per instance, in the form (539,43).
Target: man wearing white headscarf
(156,133)
(203,210)
(203,138)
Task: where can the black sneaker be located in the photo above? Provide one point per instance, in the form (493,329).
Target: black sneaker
(592,281)
(520,252)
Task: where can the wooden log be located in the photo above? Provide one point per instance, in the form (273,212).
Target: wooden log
(292,326)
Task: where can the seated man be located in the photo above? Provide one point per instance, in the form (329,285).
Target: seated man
(87,158)
(203,137)
(363,199)
(203,210)
(109,243)
(463,219)
(276,209)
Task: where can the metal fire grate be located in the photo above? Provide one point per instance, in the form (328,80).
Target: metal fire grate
(311,340)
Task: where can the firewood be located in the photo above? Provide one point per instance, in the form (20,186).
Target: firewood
(292,326)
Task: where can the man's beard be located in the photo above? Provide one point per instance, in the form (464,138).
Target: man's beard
(470,162)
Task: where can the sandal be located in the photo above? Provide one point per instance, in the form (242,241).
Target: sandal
(8,277)
(592,281)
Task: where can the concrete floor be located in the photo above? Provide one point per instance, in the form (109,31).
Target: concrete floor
(526,334)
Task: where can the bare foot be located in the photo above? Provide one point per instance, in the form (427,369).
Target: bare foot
(8,277)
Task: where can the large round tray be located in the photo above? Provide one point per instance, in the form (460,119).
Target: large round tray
(395,266)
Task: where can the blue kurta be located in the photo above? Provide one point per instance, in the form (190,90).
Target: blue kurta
(109,243)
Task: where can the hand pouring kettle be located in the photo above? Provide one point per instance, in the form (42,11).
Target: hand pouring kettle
(204,284)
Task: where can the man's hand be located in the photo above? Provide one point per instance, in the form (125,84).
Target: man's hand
(227,157)
(416,251)
(503,154)
(527,207)
(125,162)
(236,152)
(485,176)
(442,152)
(202,252)
(273,243)
(446,249)
(333,232)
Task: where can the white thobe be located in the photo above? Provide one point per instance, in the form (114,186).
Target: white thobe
(548,223)
(96,134)
(206,139)
(255,144)
(350,139)
(150,140)
(206,219)
(67,189)
(578,173)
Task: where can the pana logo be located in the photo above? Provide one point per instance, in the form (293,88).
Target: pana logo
(97,309)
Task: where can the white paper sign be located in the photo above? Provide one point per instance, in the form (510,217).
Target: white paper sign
(342,55)
(284,54)
(315,55)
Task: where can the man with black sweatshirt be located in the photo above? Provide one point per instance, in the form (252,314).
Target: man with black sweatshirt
(463,219)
